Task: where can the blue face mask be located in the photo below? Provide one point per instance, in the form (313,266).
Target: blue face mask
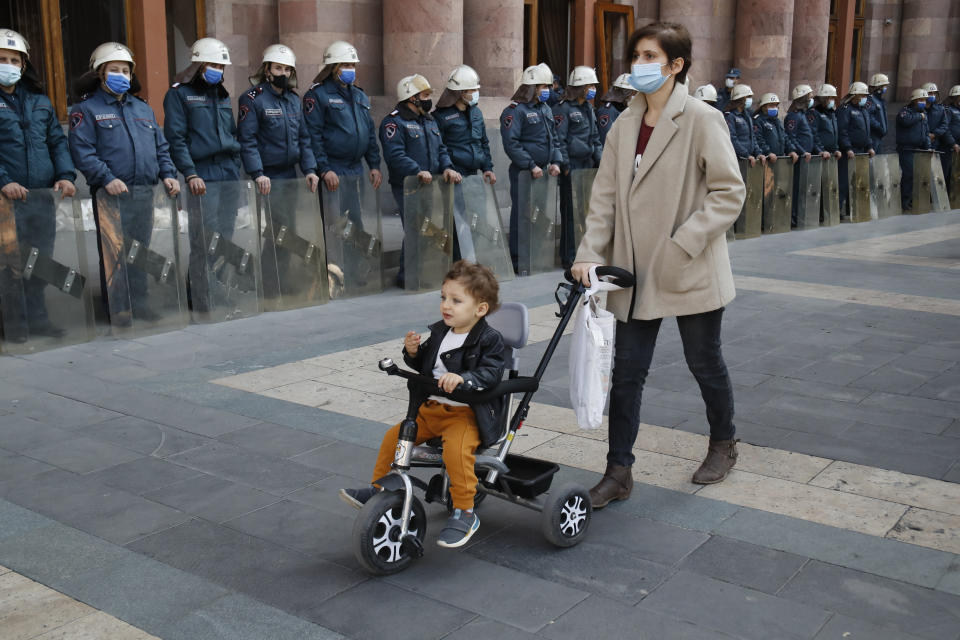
(347,76)
(118,83)
(591,94)
(862,102)
(544,95)
(810,103)
(212,76)
(9,74)
(931,99)
(748,103)
(474,98)
(921,106)
(646,78)
(772,112)
(831,105)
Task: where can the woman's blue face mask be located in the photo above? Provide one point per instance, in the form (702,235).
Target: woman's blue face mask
(118,83)
(591,94)
(544,95)
(646,78)
(347,76)
(772,112)
(212,76)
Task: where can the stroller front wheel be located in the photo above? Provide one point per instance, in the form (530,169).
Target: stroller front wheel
(566,515)
(377,544)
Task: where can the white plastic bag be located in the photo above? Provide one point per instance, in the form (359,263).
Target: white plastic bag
(591,356)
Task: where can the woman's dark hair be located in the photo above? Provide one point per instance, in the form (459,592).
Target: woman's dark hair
(732,105)
(448,98)
(672,37)
(617,95)
(525,93)
(91,81)
(261,76)
(572,94)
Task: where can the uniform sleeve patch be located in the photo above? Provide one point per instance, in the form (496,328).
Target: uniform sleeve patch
(604,120)
(75,119)
(244,110)
(791,124)
(390,129)
(310,104)
(558,119)
(507,121)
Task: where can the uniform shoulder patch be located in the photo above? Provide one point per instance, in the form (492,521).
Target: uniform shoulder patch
(75,119)
(244,110)
(558,118)
(390,130)
(394,112)
(604,120)
(253,93)
(508,120)
(310,104)
(791,123)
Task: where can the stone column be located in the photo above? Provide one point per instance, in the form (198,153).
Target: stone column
(762,47)
(424,37)
(881,42)
(493,44)
(811,25)
(711,25)
(925,45)
(247,28)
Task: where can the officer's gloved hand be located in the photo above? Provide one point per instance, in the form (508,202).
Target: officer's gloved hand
(536,172)
(116,186)
(376,178)
(491,177)
(263,185)
(66,188)
(553,170)
(15,191)
(313,182)
(425,177)
(172,185)
(449,175)
(331,180)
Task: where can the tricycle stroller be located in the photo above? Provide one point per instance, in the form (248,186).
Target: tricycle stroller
(389,530)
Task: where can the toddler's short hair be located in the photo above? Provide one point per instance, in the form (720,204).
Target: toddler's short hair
(478,280)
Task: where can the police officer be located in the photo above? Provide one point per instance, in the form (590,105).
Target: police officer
(854,125)
(769,131)
(614,102)
(726,92)
(797,125)
(117,144)
(823,121)
(35,156)
(557,92)
(530,139)
(913,134)
(273,140)
(953,117)
(738,120)
(412,144)
(938,120)
(461,124)
(579,145)
(707,93)
(201,130)
(877,106)
(337,112)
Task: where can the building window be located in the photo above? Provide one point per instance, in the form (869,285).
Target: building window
(833,43)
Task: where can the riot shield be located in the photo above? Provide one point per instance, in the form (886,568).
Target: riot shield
(750,222)
(537,221)
(45,298)
(808,192)
(293,256)
(353,232)
(479,232)
(223,274)
(938,184)
(955,181)
(929,187)
(893,170)
(777,195)
(145,284)
(858,175)
(884,188)
(829,193)
(428,232)
(582,180)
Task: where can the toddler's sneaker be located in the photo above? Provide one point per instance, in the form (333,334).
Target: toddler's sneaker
(459,528)
(356,498)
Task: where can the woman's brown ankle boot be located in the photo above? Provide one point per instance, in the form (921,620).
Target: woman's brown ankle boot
(615,484)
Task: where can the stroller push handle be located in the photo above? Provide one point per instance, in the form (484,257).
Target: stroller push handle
(426,384)
(616,276)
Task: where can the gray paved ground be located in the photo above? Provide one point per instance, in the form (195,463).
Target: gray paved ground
(191,510)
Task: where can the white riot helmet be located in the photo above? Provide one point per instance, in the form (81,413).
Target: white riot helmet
(411,86)
(707,93)
(769,98)
(463,78)
(800,90)
(10,39)
(111,52)
(623,82)
(740,91)
(827,91)
(918,94)
(209,50)
(281,54)
(954,90)
(858,89)
(539,74)
(582,76)
(341,52)
(879,80)
(930,87)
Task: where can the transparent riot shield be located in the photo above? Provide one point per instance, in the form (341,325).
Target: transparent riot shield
(536,224)
(292,256)
(353,232)
(777,195)
(750,222)
(223,272)
(145,283)
(582,180)
(830,193)
(955,181)
(808,192)
(45,299)
(428,232)
(929,186)
(858,175)
(893,170)
(479,232)
(938,184)
(884,197)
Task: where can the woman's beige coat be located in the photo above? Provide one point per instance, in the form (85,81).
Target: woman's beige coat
(667,221)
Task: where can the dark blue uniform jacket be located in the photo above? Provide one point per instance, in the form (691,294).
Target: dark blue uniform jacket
(800,134)
(35,152)
(465,136)
(912,129)
(579,135)
(770,135)
(273,136)
(741,134)
(853,127)
(411,144)
(823,122)
(529,135)
(199,125)
(341,129)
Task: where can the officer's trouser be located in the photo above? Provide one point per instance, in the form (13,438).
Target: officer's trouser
(906,178)
(459,208)
(844,179)
(214,212)
(568,248)
(946,161)
(397,190)
(514,216)
(275,261)
(350,202)
(36,221)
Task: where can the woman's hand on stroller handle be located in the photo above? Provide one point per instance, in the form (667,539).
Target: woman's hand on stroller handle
(579,273)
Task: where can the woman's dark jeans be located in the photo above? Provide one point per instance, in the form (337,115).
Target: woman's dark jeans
(635,340)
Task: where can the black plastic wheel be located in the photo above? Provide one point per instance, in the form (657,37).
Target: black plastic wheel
(376,533)
(566,515)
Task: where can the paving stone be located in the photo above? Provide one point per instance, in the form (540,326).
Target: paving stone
(481,628)
(400,614)
(840,411)
(845,628)
(143,475)
(909,563)
(673,507)
(144,436)
(929,529)
(212,498)
(814,389)
(908,608)
(262,472)
(893,378)
(22,434)
(796,421)
(13,466)
(832,372)
(747,565)
(891,485)
(342,458)
(900,402)
(29,609)
(950,582)
(82,455)
(274,440)
(953,475)
(61,412)
(944,386)
(15,520)
(733,609)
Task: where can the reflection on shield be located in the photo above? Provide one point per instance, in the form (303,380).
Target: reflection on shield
(582,180)
(830,193)
(293,258)
(354,237)
(479,232)
(777,196)
(428,232)
(885,185)
(955,181)
(145,287)
(537,223)
(808,192)
(858,175)
(749,224)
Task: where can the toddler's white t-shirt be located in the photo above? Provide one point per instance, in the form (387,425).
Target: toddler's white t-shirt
(450,342)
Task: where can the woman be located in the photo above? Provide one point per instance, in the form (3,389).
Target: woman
(667,189)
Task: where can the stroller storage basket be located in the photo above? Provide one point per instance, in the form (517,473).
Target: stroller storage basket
(529,477)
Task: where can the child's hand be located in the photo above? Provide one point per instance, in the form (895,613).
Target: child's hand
(449,381)
(411,343)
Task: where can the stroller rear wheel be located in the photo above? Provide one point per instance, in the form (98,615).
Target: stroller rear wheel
(377,545)
(566,515)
